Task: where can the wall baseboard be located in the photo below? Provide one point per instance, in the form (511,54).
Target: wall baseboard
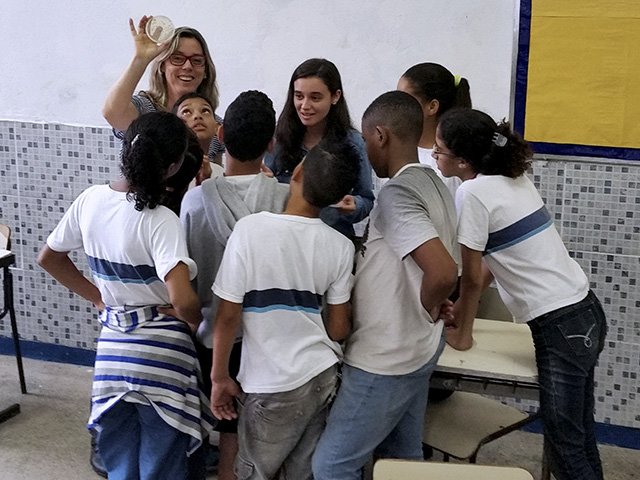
(49,352)
(607,434)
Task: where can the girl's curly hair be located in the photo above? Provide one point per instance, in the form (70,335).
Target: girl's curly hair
(152,143)
(490,148)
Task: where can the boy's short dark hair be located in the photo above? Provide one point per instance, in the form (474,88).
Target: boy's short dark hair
(399,112)
(330,172)
(187,96)
(249,124)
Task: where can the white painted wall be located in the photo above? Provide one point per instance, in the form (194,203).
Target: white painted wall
(59,58)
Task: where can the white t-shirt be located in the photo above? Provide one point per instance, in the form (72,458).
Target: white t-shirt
(279,267)
(103,222)
(506,219)
(452,183)
(392,332)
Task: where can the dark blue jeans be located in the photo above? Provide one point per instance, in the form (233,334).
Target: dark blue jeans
(568,342)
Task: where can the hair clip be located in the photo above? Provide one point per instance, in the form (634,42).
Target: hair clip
(499,139)
(135,139)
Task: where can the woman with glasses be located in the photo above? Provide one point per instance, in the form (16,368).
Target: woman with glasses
(180,66)
(437,90)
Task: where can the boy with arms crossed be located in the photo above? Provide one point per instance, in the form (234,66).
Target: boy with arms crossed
(405,271)
(289,355)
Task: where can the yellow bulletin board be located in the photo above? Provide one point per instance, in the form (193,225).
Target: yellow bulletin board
(578,77)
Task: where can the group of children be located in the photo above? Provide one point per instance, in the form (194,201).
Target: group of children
(261,274)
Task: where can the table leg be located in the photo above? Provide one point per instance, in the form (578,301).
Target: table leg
(546,471)
(9,412)
(8,278)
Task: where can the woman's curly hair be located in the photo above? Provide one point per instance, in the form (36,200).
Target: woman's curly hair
(152,143)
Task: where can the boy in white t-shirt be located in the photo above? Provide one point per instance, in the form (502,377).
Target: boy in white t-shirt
(276,273)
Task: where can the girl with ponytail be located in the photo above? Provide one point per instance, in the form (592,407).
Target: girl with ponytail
(438,90)
(146,408)
(505,232)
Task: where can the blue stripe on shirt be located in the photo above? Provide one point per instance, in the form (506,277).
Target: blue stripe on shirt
(122,272)
(518,232)
(281,299)
(271,308)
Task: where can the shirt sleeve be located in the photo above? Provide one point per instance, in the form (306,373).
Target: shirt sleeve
(168,245)
(403,219)
(340,290)
(143,105)
(231,280)
(67,235)
(473,220)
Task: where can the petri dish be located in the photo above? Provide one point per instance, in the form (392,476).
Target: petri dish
(159,28)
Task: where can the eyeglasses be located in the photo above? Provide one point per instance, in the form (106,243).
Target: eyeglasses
(178,59)
(437,151)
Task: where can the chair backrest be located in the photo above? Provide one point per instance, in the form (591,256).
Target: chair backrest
(414,470)
(5,237)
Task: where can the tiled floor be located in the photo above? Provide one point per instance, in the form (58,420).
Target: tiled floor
(48,439)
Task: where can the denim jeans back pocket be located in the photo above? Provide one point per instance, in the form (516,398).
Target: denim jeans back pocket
(583,331)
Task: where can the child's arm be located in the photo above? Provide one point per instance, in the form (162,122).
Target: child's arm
(224,388)
(338,321)
(475,279)
(440,274)
(184,301)
(60,267)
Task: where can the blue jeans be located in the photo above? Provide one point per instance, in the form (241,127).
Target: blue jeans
(381,414)
(567,343)
(278,432)
(137,444)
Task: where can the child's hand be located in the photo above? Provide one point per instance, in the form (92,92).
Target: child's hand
(171,312)
(168,310)
(222,394)
(458,339)
(204,172)
(443,312)
(266,170)
(346,205)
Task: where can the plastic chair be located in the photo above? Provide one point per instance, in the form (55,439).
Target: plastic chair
(459,425)
(387,469)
